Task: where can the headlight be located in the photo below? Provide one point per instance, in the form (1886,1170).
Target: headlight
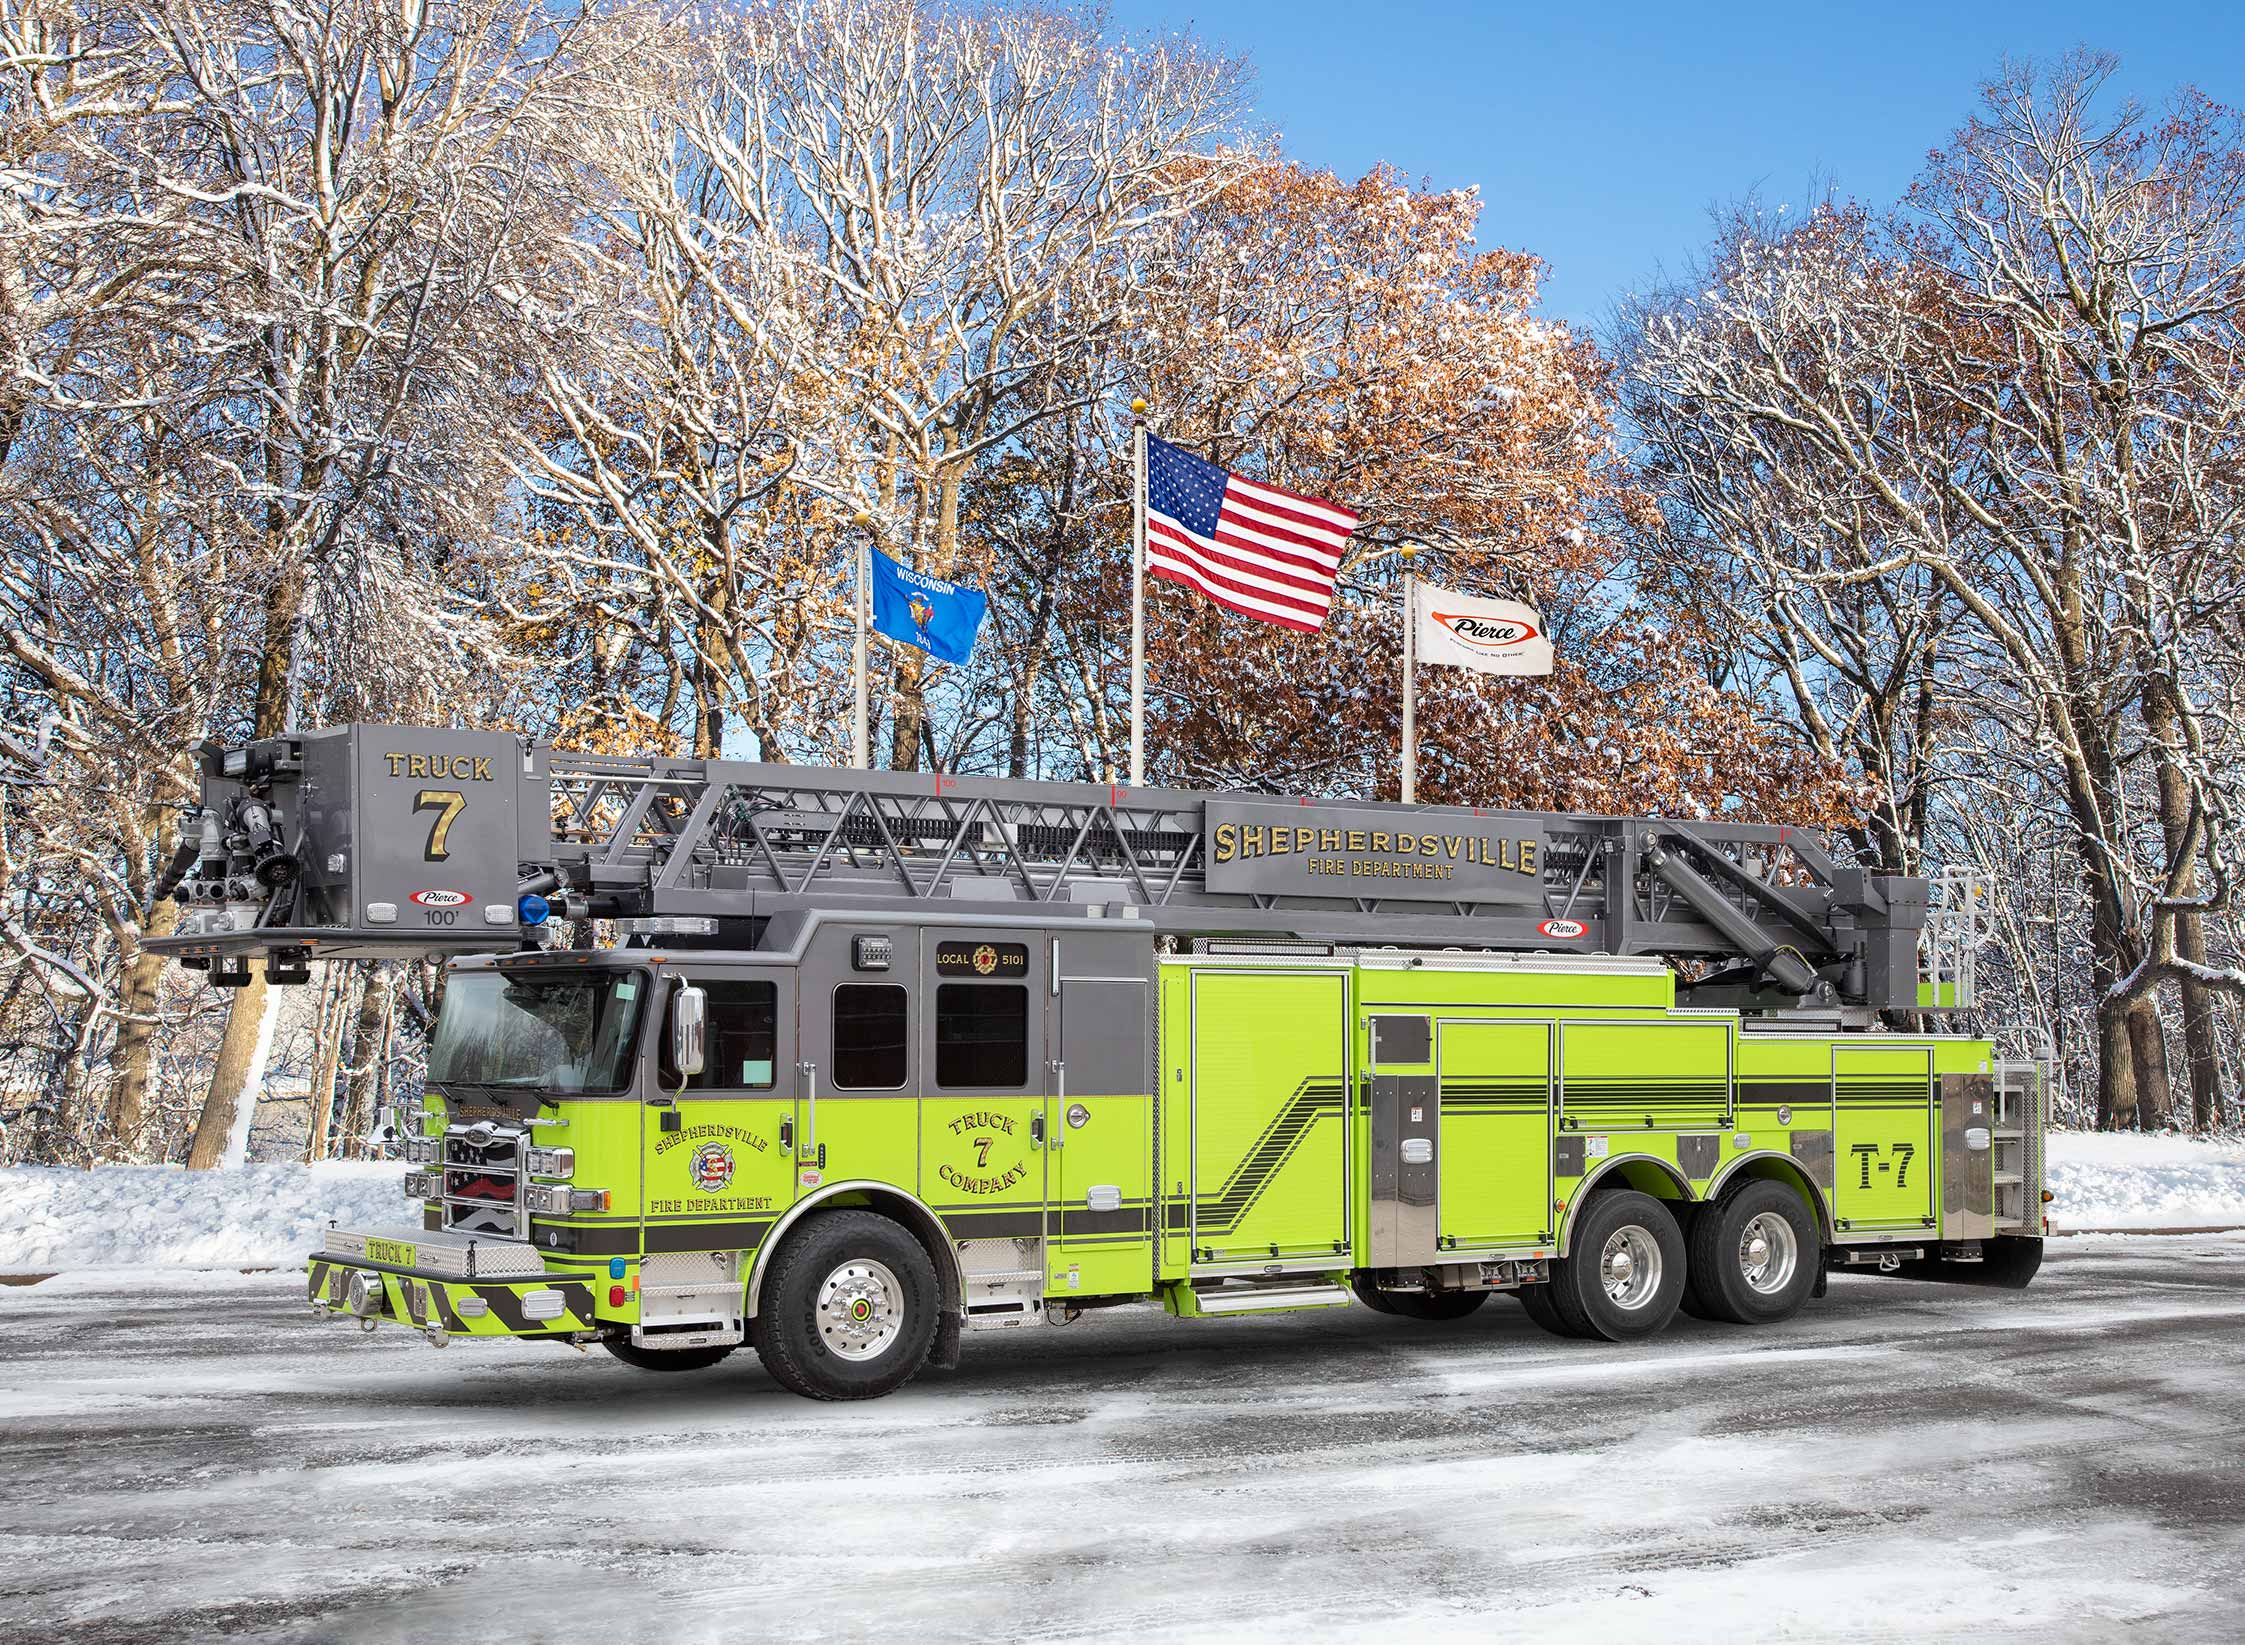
(553,1162)
(421,1150)
(423,1185)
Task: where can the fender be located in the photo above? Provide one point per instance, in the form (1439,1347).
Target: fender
(1816,1200)
(1667,1169)
(948,1272)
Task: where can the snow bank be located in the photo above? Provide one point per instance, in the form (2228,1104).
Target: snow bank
(258,1216)
(2130,1180)
(129,1216)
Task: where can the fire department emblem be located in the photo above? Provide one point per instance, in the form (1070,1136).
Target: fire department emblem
(712,1167)
(985,959)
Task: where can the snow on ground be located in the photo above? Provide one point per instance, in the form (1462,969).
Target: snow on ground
(122,1216)
(2131,1180)
(263,1216)
(194,1456)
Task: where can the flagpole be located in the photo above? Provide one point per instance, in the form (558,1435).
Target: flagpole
(861,754)
(1410,553)
(1138,593)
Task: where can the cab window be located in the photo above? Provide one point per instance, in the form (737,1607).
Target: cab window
(981,1034)
(743,1037)
(871,1032)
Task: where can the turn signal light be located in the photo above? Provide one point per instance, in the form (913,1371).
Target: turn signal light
(2047,1196)
(616,1295)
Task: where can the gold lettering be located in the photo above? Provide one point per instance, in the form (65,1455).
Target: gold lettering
(1227,841)
(1303,837)
(1356,839)
(395,760)
(1504,854)
(483,768)
(417,765)
(1282,841)
(1451,843)
(1251,840)
(1528,856)
(1329,839)
(1380,841)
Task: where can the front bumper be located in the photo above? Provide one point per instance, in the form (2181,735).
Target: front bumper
(429,1302)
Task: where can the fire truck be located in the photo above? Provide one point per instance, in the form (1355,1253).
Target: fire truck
(882,1059)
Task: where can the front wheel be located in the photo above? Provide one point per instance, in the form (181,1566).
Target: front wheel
(1625,1272)
(849,1307)
(664,1359)
(1754,1255)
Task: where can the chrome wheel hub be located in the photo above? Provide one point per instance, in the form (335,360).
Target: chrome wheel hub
(1629,1267)
(860,1309)
(1768,1253)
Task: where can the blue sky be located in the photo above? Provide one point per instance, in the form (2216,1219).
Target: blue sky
(1600,136)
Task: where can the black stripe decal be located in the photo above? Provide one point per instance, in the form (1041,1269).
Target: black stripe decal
(1313,1099)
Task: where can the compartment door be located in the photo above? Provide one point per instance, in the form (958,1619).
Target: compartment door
(1101,1157)
(1269,1168)
(1496,1133)
(1883,1134)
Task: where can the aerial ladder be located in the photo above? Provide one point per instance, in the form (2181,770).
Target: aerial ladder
(376,841)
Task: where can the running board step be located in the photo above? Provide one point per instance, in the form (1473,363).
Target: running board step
(1261,1299)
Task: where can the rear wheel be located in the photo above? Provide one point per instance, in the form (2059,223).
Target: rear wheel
(849,1307)
(1754,1255)
(1625,1275)
(1435,1304)
(1536,1299)
(664,1359)
(1370,1294)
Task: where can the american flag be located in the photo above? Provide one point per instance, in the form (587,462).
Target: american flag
(1250,547)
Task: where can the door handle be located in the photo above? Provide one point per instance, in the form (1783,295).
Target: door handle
(809,1071)
(1037,1131)
(787,1135)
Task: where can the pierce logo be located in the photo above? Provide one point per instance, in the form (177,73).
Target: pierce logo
(440,897)
(1566,929)
(1487,633)
(712,1167)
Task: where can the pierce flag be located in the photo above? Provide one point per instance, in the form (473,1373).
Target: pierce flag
(1492,636)
(939,617)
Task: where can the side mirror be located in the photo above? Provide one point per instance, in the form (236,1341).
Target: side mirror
(689,1030)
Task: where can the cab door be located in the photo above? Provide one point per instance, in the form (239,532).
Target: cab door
(717,1168)
(982,1111)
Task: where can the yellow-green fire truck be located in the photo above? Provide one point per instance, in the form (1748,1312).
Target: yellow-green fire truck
(887,1058)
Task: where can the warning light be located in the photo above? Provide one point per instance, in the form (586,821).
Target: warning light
(615,1267)
(533,910)
(2047,1196)
(615,1296)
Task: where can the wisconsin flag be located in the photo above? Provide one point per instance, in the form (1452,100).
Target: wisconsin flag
(939,617)
(1493,636)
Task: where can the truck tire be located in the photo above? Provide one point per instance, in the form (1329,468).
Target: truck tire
(1415,1304)
(849,1307)
(1435,1304)
(1536,1299)
(1626,1274)
(664,1359)
(1753,1255)
(1370,1294)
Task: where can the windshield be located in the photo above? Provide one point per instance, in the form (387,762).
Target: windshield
(555,1031)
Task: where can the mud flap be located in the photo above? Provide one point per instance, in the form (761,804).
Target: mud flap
(2008,1262)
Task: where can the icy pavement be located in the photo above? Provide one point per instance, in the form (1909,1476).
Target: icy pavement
(192,1456)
